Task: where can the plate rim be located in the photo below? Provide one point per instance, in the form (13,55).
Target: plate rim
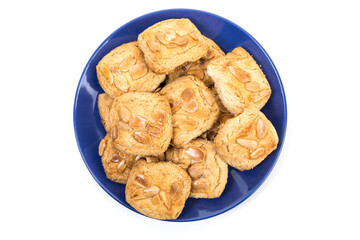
(283,96)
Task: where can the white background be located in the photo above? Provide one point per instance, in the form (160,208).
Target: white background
(47,192)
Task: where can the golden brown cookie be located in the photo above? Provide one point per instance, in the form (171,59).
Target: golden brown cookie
(239,81)
(207,170)
(193,107)
(158,190)
(141,123)
(246,140)
(117,164)
(171,43)
(104,105)
(124,70)
(198,68)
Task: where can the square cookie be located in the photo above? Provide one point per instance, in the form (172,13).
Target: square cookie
(193,108)
(239,81)
(141,123)
(158,190)
(124,70)
(207,170)
(171,43)
(246,140)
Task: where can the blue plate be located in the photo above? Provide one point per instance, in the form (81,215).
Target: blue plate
(89,130)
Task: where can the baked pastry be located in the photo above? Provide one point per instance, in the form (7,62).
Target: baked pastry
(124,70)
(117,164)
(246,140)
(171,43)
(158,190)
(239,81)
(141,123)
(209,110)
(207,170)
(198,68)
(104,105)
(193,108)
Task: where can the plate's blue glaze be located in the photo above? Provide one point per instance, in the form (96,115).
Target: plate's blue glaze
(89,130)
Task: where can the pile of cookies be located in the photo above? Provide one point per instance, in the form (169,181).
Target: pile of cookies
(177,110)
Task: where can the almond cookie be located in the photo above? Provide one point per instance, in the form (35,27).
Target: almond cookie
(198,68)
(171,43)
(117,164)
(239,81)
(141,123)
(246,140)
(207,170)
(193,107)
(158,190)
(104,105)
(124,70)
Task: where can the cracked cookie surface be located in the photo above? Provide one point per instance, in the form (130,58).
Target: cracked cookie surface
(158,190)
(246,140)
(207,170)
(141,123)
(193,106)
(171,43)
(239,81)
(124,70)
